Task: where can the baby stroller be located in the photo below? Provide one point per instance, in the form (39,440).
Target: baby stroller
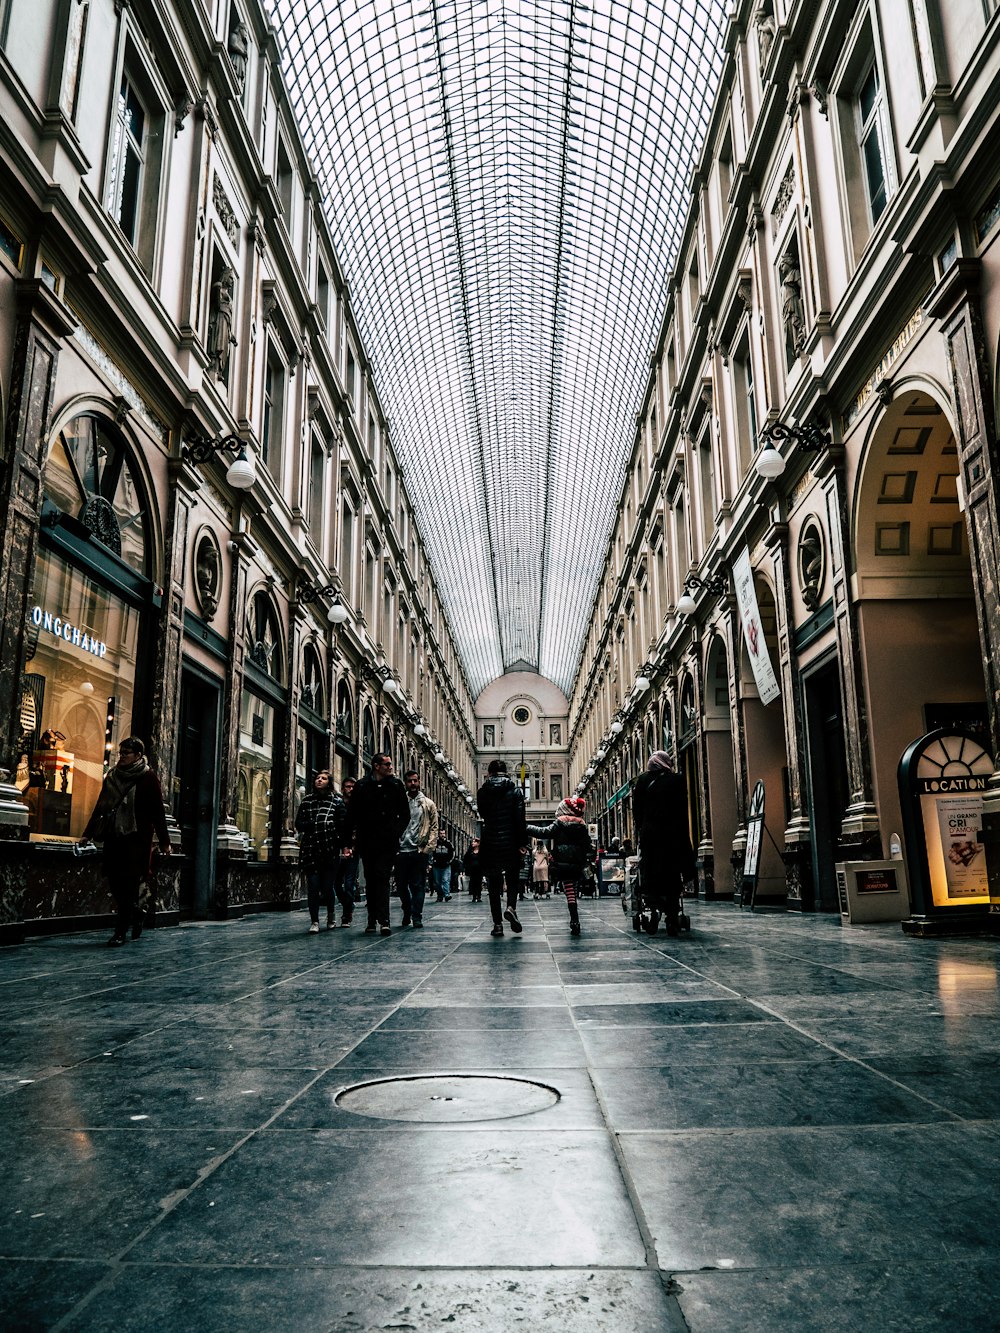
(645,913)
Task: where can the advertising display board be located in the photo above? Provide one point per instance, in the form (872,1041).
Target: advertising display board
(751,857)
(943,777)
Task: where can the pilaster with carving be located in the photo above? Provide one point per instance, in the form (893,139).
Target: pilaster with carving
(860,838)
(231,845)
(797,851)
(956,302)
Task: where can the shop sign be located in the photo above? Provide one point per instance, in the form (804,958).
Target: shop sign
(881,370)
(943,778)
(620,794)
(760,658)
(68,632)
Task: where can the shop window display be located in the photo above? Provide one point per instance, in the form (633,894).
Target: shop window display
(82,639)
(253,813)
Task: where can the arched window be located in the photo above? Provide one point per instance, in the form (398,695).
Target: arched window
(312,690)
(86,639)
(345,713)
(89,477)
(667,730)
(312,741)
(368,739)
(264,637)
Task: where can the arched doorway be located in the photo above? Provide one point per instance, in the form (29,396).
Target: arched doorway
(917,624)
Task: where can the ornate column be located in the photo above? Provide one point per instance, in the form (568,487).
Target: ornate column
(956,303)
(739,744)
(797,851)
(860,838)
(231,848)
(41,322)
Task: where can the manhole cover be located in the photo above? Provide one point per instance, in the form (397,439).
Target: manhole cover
(443,1098)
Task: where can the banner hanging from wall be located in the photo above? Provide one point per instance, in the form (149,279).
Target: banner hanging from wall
(753,633)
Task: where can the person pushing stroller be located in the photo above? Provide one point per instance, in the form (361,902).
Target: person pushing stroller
(571,850)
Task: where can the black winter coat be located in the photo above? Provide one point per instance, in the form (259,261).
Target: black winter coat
(505,831)
(379,813)
(660,811)
(322,823)
(571,845)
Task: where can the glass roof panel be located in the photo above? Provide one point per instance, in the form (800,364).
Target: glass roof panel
(506,182)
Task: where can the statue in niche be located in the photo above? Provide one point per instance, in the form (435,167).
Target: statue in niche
(207,576)
(220,321)
(239,51)
(792,309)
(765,34)
(810,567)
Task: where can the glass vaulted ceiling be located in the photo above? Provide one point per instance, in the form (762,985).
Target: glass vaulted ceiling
(506,183)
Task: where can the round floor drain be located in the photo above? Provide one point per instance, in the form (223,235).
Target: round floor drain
(446,1098)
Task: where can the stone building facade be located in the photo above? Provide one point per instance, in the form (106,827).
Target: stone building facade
(206,535)
(839,275)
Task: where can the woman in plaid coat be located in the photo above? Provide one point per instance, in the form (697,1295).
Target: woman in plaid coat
(322,827)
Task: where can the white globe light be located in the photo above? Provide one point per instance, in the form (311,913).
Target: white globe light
(686,605)
(642,684)
(390,686)
(616,728)
(87,687)
(420,729)
(602,753)
(338,614)
(589,772)
(241,474)
(769,463)
(450,772)
(439,756)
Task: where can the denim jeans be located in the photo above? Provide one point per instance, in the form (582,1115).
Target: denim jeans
(411,882)
(442,881)
(319,889)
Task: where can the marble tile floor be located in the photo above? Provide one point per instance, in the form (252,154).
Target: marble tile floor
(772,1124)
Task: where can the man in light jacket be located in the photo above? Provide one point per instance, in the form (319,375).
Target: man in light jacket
(418,841)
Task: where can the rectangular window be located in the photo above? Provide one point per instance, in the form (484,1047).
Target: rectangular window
(347,551)
(871,138)
(317,476)
(323,297)
(76,695)
(746,404)
(132,179)
(284,180)
(706,478)
(351,376)
(128,159)
(274,409)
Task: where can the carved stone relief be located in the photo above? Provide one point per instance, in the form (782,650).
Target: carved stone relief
(224,209)
(207,572)
(811,564)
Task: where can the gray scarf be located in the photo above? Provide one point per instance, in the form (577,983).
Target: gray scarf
(120,791)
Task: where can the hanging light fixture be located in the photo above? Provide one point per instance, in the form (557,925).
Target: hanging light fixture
(686,605)
(769,463)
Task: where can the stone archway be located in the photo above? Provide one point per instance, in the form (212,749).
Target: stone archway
(918,629)
(766,756)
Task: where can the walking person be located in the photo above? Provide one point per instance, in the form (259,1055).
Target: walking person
(666,857)
(503,842)
(128,814)
(441,859)
(347,863)
(571,850)
(415,847)
(540,870)
(379,812)
(321,822)
(472,868)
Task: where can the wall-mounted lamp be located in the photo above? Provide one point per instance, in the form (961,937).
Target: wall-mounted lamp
(338,613)
(617,727)
(240,474)
(686,605)
(589,772)
(439,756)
(602,753)
(769,463)
(420,729)
(382,674)
(642,680)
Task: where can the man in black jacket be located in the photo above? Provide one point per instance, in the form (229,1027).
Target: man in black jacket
(379,812)
(503,842)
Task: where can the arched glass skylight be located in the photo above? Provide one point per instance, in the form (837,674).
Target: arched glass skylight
(506,182)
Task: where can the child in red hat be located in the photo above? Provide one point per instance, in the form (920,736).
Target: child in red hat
(571,849)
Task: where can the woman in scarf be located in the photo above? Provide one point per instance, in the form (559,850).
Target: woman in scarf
(666,857)
(321,822)
(571,850)
(128,813)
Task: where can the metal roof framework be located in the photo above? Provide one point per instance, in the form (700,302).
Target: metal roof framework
(506,182)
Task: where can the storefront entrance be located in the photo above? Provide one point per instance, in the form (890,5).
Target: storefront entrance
(197,805)
(828,786)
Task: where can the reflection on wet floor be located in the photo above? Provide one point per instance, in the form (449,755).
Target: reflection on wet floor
(775,1123)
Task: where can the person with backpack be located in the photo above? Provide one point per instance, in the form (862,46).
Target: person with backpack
(666,856)
(502,843)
